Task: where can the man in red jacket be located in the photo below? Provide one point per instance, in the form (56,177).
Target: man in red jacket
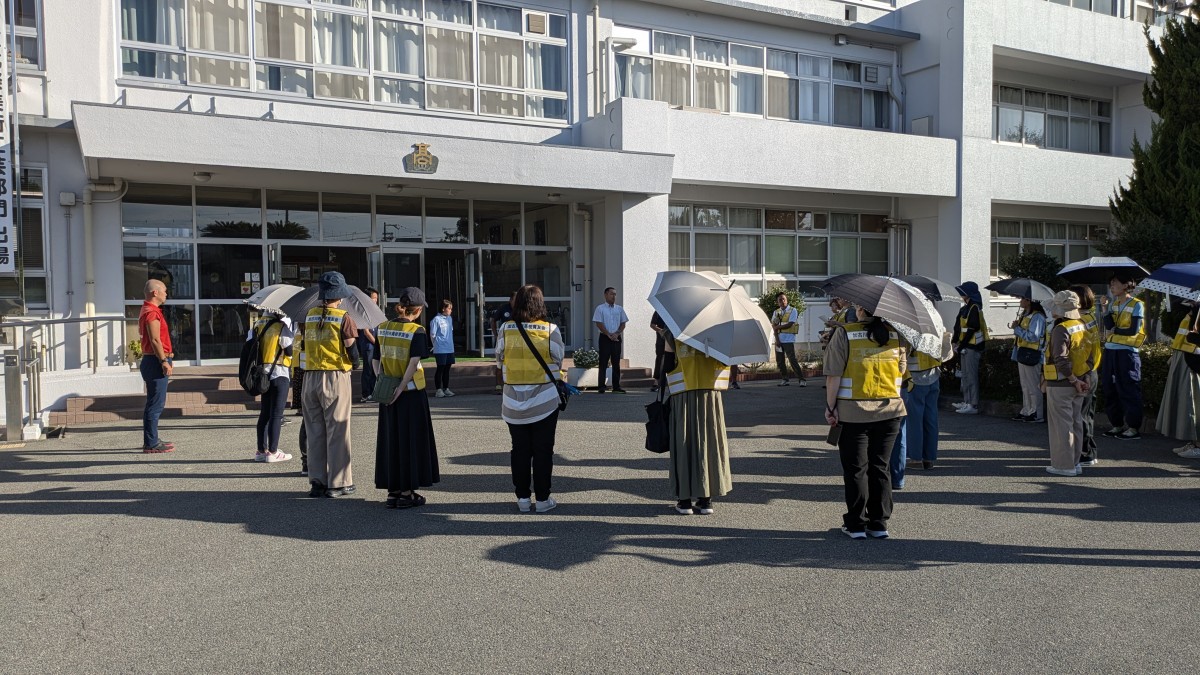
(156,364)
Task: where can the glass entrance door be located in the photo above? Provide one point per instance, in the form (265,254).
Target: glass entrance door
(392,269)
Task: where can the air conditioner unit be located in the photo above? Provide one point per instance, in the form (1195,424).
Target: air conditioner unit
(535,23)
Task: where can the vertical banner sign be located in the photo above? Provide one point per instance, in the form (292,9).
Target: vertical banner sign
(7,257)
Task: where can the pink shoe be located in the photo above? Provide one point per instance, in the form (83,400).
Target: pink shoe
(261,456)
(277,456)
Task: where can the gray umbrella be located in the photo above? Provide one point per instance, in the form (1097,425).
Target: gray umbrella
(704,311)
(898,303)
(1026,289)
(272,298)
(934,289)
(359,306)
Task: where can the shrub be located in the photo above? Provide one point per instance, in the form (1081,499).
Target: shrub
(768,304)
(135,349)
(1034,265)
(586,358)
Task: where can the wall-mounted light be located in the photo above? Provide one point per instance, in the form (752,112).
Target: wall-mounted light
(201,176)
(841,39)
(395,188)
(554,197)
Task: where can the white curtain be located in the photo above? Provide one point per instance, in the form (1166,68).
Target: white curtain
(154,21)
(401,7)
(546,67)
(340,85)
(279,78)
(341,40)
(672,83)
(782,96)
(747,93)
(500,61)
(219,26)
(453,11)
(448,54)
(634,76)
(403,92)
(219,72)
(712,88)
(814,101)
(282,32)
(398,47)
(500,18)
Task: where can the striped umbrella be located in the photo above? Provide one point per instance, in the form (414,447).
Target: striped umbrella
(900,304)
(934,289)
(1178,279)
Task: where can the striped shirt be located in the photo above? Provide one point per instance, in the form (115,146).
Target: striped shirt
(529,403)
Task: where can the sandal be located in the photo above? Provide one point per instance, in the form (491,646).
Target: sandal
(409,501)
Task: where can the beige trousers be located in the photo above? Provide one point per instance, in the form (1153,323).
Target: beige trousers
(1031,390)
(1064,417)
(327,401)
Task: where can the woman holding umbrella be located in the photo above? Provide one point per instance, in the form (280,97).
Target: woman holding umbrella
(864,366)
(1029,329)
(970,339)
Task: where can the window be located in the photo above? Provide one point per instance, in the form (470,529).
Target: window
(156,22)
(634,75)
(341,39)
(27,33)
(219,72)
(154,65)
(448,54)
(1068,242)
(1049,120)
(219,26)
(282,32)
(672,83)
(345,218)
(30,282)
(284,79)
(500,62)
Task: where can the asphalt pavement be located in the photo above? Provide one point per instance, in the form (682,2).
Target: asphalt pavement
(204,561)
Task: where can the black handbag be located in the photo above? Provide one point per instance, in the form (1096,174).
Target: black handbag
(1027,356)
(658,431)
(564,390)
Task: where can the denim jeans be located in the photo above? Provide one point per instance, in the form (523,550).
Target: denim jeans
(270,416)
(1121,382)
(366,349)
(156,398)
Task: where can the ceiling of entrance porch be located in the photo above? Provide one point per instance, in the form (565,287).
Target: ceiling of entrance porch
(165,146)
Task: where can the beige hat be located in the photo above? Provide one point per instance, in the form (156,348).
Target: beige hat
(1065,304)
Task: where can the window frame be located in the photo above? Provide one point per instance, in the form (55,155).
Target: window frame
(1093,118)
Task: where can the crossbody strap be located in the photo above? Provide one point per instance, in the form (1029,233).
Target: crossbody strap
(533,349)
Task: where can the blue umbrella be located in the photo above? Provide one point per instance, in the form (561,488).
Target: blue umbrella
(1178,279)
(1098,270)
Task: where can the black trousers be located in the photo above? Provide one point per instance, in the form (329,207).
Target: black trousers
(441,377)
(270,415)
(787,350)
(660,348)
(866,450)
(533,445)
(610,350)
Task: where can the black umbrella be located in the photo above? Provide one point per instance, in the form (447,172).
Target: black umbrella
(1098,270)
(934,289)
(890,301)
(1026,289)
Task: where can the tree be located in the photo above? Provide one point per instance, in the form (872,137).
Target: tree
(768,303)
(1157,215)
(1034,265)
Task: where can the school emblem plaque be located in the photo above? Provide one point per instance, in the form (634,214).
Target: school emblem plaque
(420,160)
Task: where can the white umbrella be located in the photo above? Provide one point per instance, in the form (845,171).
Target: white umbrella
(931,343)
(707,313)
(271,298)
(365,313)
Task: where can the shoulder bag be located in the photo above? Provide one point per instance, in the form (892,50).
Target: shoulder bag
(565,391)
(658,431)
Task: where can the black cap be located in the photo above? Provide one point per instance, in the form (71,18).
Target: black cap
(412,297)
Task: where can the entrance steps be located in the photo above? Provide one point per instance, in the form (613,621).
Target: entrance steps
(215,389)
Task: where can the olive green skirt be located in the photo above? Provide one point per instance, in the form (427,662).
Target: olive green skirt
(1177,414)
(699,446)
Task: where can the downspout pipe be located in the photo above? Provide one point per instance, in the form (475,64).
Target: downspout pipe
(587,259)
(89,260)
(597,105)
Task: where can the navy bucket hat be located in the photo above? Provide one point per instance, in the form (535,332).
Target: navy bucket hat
(333,286)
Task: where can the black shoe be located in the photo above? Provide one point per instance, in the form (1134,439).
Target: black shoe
(339,492)
(734,385)
(599,391)
(409,501)
(927,464)
(391,502)
(618,391)
(1115,431)
(704,506)
(317,490)
(654,387)
(683,507)
(1020,418)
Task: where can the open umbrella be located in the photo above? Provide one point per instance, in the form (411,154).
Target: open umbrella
(900,304)
(1026,289)
(271,298)
(1098,270)
(934,289)
(1178,279)
(359,306)
(704,311)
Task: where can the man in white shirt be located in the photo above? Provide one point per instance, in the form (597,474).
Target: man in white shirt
(786,322)
(610,318)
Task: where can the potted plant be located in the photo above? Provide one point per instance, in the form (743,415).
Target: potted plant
(586,371)
(133,353)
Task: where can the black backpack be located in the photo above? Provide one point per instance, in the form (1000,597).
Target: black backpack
(253,374)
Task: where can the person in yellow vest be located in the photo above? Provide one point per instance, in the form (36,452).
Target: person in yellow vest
(1068,361)
(1030,331)
(785,321)
(530,403)
(1087,314)
(1177,414)
(329,333)
(865,363)
(699,445)
(970,341)
(276,334)
(405,449)
(1121,368)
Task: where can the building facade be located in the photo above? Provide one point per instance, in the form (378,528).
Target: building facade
(469,147)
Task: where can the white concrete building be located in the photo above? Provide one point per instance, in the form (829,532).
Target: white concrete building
(576,144)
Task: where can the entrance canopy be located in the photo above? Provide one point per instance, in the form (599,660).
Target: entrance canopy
(167,146)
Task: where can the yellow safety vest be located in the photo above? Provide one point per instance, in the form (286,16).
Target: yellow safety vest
(872,372)
(919,362)
(395,346)
(1123,318)
(841,315)
(981,334)
(695,370)
(269,343)
(780,317)
(323,345)
(1180,342)
(1093,328)
(1081,349)
(520,365)
(1029,344)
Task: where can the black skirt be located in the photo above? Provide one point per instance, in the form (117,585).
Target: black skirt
(405,450)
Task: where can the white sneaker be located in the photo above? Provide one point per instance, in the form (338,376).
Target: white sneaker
(854,535)
(968,410)
(1183,448)
(1079,469)
(959,405)
(1194,453)
(1061,472)
(277,456)
(440,394)
(524,505)
(447,392)
(545,506)
(878,534)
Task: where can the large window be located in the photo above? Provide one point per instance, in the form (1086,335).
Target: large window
(28,32)
(747,79)
(1067,242)
(31,244)
(457,55)
(757,247)
(1052,120)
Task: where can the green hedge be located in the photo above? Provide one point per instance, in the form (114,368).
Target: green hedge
(1000,381)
